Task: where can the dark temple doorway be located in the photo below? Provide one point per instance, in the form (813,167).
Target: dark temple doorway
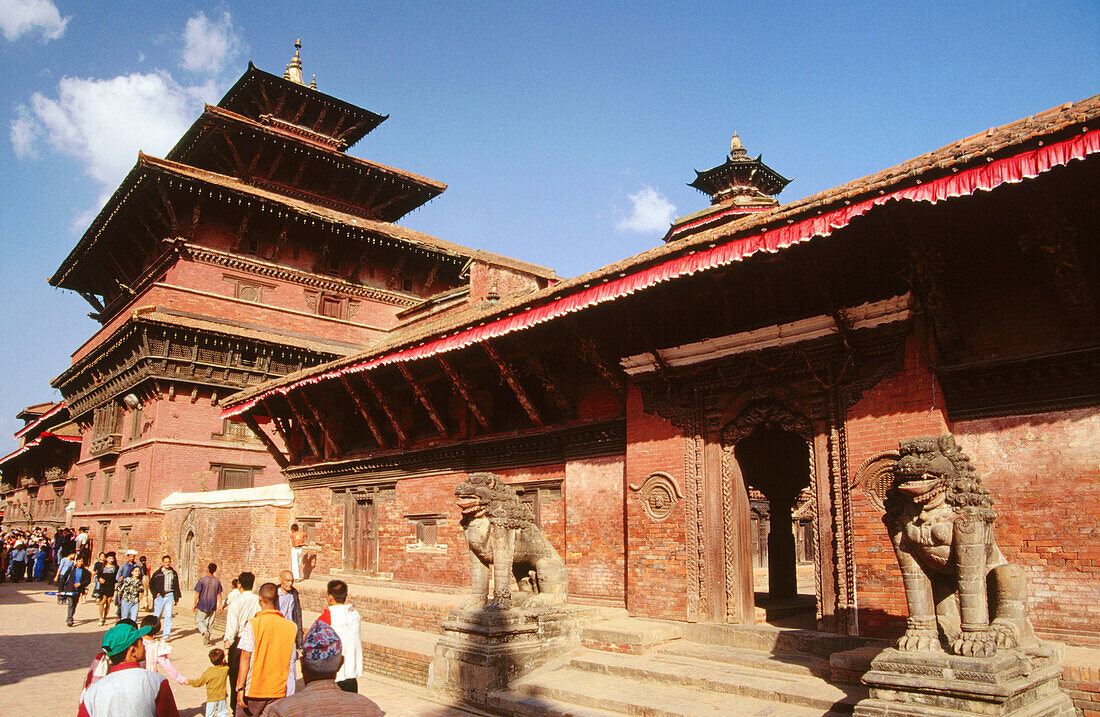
(775,466)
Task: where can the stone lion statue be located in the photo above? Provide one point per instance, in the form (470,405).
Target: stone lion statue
(503,537)
(958,585)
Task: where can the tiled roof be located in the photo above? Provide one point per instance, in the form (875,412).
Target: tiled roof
(973,152)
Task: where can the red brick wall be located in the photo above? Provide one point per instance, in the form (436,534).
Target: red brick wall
(1044,472)
(655,551)
(594,543)
(906,405)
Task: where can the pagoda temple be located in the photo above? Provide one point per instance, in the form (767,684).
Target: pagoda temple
(256,248)
(740,185)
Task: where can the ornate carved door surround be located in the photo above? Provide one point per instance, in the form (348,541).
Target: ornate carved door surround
(738,567)
(818,381)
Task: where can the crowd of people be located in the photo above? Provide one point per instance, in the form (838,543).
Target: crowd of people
(254,669)
(33,555)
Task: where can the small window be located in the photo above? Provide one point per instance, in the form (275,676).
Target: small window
(124,537)
(135,424)
(234,477)
(131,474)
(89,482)
(331,307)
(107,476)
(407,285)
(234,430)
(250,245)
(427,533)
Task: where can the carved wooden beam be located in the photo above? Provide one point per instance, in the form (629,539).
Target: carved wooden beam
(173,223)
(392,200)
(331,447)
(339,124)
(237,161)
(510,377)
(242,228)
(320,121)
(538,368)
(364,411)
(589,351)
(93,300)
(301,170)
(390,415)
(425,400)
(463,388)
(280,241)
(256,159)
(395,273)
(1055,239)
(195,214)
(305,428)
(280,459)
(300,112)
(274,165)
(923,272)
(283,431)
(429,281)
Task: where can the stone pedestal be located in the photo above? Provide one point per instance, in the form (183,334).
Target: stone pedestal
(483,650)
(1016,683)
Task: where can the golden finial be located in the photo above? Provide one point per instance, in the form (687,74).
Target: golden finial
(313,83)
(736,148)
(294,69)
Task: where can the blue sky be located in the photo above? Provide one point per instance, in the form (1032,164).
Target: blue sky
(565,131)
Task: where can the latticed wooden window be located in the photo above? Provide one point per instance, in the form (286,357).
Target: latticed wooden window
(331,307)
(427,532)
(107,476)
(131,475)
(232,477)
(89,482)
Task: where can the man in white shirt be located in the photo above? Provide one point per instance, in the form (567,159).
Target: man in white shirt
(237,615)
(345,620)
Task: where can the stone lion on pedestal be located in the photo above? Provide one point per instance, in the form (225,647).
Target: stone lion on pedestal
(503,538)
(958,585)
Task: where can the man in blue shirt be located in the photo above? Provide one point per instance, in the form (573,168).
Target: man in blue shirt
(73,584)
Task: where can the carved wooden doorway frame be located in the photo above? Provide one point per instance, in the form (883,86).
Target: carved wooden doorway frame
(738,567)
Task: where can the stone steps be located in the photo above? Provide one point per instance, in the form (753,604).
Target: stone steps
(703,675)
(582,692)
(795,664)
(773,640)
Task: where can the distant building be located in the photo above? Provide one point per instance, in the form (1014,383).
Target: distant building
(36,479)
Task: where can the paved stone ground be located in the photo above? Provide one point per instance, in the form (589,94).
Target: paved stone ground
(43,663)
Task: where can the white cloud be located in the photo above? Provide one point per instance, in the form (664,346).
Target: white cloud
(103,123)
(209,44)
(24,133)
(20,17)
(651,212)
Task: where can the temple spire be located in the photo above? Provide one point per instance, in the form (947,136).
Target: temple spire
(294,69)
(741,180)
(737,150)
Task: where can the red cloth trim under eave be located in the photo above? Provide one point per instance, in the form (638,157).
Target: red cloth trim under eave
(22,431)
(26,447)
(1016,168)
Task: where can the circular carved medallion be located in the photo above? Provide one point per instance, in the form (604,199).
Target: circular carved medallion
(876,476)
(658,494)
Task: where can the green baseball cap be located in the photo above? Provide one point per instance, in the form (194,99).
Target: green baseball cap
(121,636)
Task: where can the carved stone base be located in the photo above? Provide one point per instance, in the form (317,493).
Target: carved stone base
(483,650)
(1016,683)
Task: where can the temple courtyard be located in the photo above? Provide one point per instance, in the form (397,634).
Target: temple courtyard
(43,663)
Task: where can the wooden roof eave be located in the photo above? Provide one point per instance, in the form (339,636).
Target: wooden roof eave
(364,121)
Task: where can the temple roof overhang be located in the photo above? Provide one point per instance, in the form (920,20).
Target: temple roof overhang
(1013,153)
(54,414)
(751,176)
(154,175)
(258,93)
(392,192)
